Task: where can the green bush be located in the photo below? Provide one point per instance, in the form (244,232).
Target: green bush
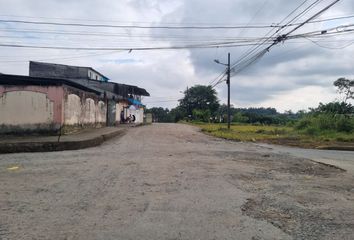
(240,118)
(324,121)
(312,131)
(312,124)
(303,123)
(344,124)
(202,115)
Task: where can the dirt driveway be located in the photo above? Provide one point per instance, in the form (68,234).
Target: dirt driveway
(169,181)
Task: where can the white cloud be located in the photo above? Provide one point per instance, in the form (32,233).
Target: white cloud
(300,99)
(295,75)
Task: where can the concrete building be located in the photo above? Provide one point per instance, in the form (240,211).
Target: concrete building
(56,104)
(51,70)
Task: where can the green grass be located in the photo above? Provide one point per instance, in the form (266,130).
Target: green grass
(245,132)
(275,134)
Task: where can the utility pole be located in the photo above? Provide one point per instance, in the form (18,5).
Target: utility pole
(188,108)
(228,73)
(228,92)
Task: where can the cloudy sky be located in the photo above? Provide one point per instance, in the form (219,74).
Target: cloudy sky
(296,74)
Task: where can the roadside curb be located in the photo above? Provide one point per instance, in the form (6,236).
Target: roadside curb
(339,148)
(52,146)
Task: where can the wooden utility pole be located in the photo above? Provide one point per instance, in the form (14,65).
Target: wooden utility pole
(228,92)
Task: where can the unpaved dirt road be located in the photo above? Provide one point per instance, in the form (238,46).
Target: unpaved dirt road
(169,181)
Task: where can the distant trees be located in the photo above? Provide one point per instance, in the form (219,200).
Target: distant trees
(201,103)
(160,114)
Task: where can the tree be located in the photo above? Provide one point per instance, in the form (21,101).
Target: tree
(202,115)
(335,108)
(240,118)
(346,87)
(200,98)
(176,114)
(159,114)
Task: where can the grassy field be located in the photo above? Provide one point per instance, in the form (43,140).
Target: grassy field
(277,135)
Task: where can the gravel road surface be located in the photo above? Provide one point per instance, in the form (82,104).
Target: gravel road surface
(170,181)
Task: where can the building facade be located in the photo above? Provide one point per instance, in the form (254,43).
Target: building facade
(53,104)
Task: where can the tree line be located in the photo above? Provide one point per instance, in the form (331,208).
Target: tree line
(200,103)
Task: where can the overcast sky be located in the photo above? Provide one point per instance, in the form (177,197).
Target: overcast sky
(294,75)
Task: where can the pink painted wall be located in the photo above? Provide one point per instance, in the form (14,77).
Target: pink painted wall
(54,93)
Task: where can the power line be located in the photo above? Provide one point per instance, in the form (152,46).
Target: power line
(146,22)
(243,62)
(211,45)
(313,17)
(133,26)
(328,47)
(246,60)
(247,26)
(261,43)
(283,37)
(62,58)
(162,101)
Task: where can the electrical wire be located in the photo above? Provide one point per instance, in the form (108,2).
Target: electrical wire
(261,43)
(248,59)
(134,26)
(212,45)
(242,65)
(328,47)
(63,58)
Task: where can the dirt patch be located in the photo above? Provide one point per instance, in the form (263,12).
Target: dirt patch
(296,195)
(297,220)
(284,164)
(297,142)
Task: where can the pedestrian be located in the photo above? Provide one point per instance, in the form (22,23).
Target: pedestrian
(122,120)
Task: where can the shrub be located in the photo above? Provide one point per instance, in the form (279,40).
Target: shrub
(311,131)
(324,121)
(344,124)
(303,123)
(315,123)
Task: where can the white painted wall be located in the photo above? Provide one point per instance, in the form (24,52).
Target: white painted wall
(83,112)
(101,112)
(138,113)
(25,107)
(119,108)
(72,110)
(89,111)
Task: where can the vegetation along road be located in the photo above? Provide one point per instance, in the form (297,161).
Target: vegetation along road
(170,181)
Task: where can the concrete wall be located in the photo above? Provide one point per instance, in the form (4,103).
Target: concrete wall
(48,109)
(119,108)
(148,118)
(137,112)
(139,115)
(82,109)
(30,108)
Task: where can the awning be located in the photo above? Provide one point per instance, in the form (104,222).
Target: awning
(135,102)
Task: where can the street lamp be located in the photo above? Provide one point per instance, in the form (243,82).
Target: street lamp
(228,88)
